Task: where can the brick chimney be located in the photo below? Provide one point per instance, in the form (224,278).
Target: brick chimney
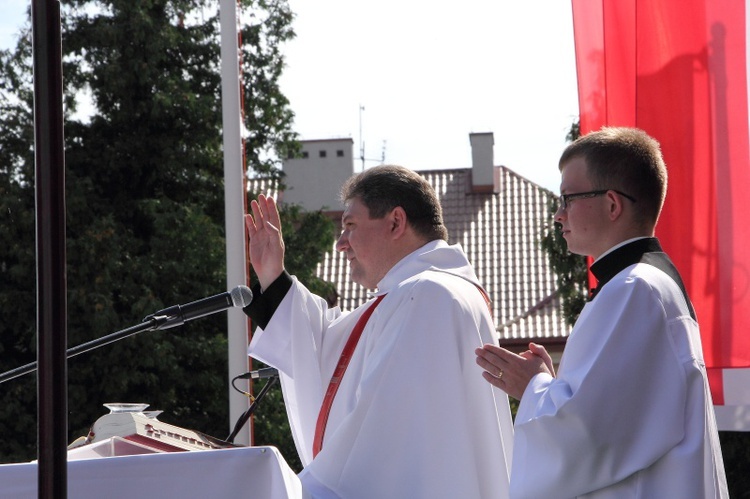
(484,176)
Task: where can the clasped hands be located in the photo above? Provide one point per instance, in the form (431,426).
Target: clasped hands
(512,372)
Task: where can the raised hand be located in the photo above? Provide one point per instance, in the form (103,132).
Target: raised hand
(266,243)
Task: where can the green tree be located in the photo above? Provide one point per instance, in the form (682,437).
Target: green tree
(17,252)
(571,270)
(145,206)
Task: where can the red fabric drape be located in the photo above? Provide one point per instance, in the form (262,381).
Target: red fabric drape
(678,70)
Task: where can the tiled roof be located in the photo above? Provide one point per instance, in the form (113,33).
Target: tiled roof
(500,234)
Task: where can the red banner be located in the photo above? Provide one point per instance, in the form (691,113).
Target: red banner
(678,70)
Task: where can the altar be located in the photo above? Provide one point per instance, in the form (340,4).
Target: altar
(242,472)
(131,453)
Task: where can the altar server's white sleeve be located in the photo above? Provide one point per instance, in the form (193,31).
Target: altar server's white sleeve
(603,418)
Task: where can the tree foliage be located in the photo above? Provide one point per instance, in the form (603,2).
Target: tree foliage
(144,203)
(571,270)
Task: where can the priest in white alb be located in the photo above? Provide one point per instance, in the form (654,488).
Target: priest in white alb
(385,401)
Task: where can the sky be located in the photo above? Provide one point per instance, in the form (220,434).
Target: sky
(411,79)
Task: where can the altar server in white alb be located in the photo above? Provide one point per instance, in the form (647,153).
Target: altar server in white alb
(629,414)
(385,401)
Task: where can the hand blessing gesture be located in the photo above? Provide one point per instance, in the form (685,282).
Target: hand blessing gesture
(266,243)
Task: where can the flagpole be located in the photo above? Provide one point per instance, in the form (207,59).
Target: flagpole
(234,206)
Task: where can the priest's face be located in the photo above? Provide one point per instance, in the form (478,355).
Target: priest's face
(366,242)
(584,220)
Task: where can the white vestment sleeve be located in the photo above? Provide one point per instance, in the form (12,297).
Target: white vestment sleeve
(293,344)
(618,404)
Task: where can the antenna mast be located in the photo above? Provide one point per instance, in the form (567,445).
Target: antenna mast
(361,140)
(362,143)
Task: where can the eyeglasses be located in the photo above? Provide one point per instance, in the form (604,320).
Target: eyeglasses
(565,199)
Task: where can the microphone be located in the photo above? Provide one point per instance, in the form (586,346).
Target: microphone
(266,372)
(241,296)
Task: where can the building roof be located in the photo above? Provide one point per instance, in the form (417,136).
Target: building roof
(500,233)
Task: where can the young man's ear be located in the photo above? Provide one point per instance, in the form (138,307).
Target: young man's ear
(615,205)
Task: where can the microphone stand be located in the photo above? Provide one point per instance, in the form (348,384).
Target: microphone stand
(243,419)
(149,324)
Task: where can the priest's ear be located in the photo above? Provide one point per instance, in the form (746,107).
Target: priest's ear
(398,221)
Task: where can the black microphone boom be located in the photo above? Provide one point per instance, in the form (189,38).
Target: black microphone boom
(241,296)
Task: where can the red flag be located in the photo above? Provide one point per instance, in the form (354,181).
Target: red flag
(678,70)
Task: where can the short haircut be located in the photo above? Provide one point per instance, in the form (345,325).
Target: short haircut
(624,159)
(385,187)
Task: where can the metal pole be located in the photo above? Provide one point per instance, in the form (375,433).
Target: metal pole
(234,203)
(50,250)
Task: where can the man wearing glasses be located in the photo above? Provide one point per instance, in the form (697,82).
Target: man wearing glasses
(629,413)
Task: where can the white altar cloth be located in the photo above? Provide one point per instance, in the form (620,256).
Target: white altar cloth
(244,472)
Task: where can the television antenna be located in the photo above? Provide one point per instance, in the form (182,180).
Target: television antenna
(362,156)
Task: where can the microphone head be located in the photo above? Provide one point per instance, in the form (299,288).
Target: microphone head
(241,296)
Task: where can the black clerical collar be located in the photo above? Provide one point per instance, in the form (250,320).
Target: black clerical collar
(621,258)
